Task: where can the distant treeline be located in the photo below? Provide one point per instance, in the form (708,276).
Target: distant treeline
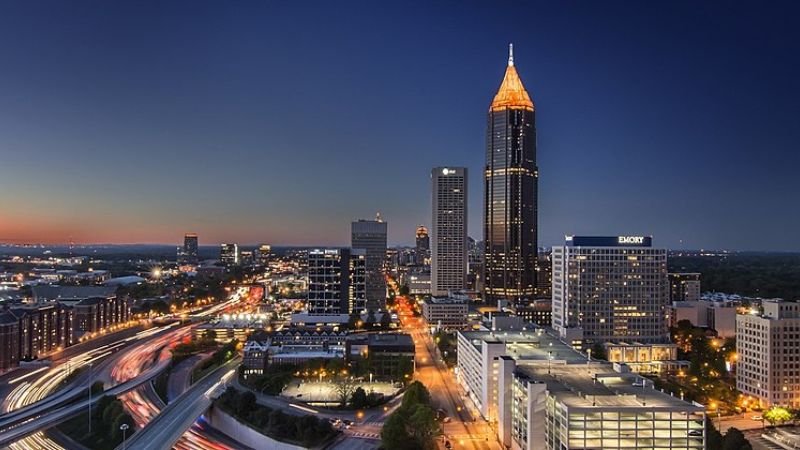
(764,275)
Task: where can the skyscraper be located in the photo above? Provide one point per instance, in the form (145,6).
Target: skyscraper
(370,235)
(264,252)
(229,254)
(610,289)
(336,281)
(422,252)
(511,190)
(449,229)
(188,254)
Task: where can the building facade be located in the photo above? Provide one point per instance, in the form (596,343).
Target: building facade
(449,255)
(768,349)
(189,253)
(684,287)
(229,254)
(370,235)
(540,394)
(610,289)
(422,251)
(446,312)
(511,192)
(264,253)
(336,281)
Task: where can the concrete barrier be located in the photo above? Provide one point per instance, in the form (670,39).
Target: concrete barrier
(243,433)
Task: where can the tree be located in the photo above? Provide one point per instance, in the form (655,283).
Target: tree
(713,436)
(599,351)
(735,440)
(394,435)
(404,290)
(777,415)
(352,322)
(344,388)
(359,398)
(416,394)
(246,403)
(423,426)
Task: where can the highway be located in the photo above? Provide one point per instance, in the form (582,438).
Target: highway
(167,427)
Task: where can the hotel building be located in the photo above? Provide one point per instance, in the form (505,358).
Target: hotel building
(610,289)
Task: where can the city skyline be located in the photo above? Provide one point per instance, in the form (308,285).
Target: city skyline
(179,129)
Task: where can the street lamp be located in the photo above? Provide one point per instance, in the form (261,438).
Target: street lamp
(124,428)
(90,398)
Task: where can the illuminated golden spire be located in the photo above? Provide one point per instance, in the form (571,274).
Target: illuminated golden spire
(512,94)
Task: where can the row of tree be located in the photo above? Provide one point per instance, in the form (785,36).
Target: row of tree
(732,440)
(414,425)
(308,431)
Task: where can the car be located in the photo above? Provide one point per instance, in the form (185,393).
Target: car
(446,419)
(757,418)
(638,383)
(347,422)
(695,432)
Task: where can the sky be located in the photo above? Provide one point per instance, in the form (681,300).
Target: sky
(281,122)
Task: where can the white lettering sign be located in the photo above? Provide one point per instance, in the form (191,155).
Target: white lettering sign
(630,239)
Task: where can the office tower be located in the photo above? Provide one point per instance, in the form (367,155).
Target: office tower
(449,257)
(264,252)
(544,276)
(423,248)
(768,348)
(684,287)
(336,281)
(370,235)
(610,289)
(511,192)
(247,258)
(188,254)
(229,254)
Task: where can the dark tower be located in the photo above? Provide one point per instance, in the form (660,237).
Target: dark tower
(511,190)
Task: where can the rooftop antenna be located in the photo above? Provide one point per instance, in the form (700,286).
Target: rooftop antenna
(511,54)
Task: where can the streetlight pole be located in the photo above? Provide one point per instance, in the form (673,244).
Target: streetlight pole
(90,398)
(124,428)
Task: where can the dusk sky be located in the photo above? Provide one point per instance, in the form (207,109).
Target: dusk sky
(280,122)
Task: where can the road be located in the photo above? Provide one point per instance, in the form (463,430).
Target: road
(33,401)
(167,427)
(463,431)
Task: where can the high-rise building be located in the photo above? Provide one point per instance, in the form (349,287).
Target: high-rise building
(370,235)
(337,281)
(511,192)
(423,248)
(188,254)
(610,289)
(449,256)
(684,287)
(768,349)
(264,252)
(229,254)
(247,258)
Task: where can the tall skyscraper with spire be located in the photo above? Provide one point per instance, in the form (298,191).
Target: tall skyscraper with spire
(511,192)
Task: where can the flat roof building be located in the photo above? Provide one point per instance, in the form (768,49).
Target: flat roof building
(610,288)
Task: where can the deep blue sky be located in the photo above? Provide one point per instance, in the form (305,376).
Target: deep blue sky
(282,121)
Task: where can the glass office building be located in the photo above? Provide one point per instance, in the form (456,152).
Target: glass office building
(511,190)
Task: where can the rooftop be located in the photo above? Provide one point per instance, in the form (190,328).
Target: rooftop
(595,384)
(512,94)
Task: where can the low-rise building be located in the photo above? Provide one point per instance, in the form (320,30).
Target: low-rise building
(446,312)
(255,359)
(717,315)
(388,356)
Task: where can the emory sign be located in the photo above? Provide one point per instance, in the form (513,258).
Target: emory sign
(630,239)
